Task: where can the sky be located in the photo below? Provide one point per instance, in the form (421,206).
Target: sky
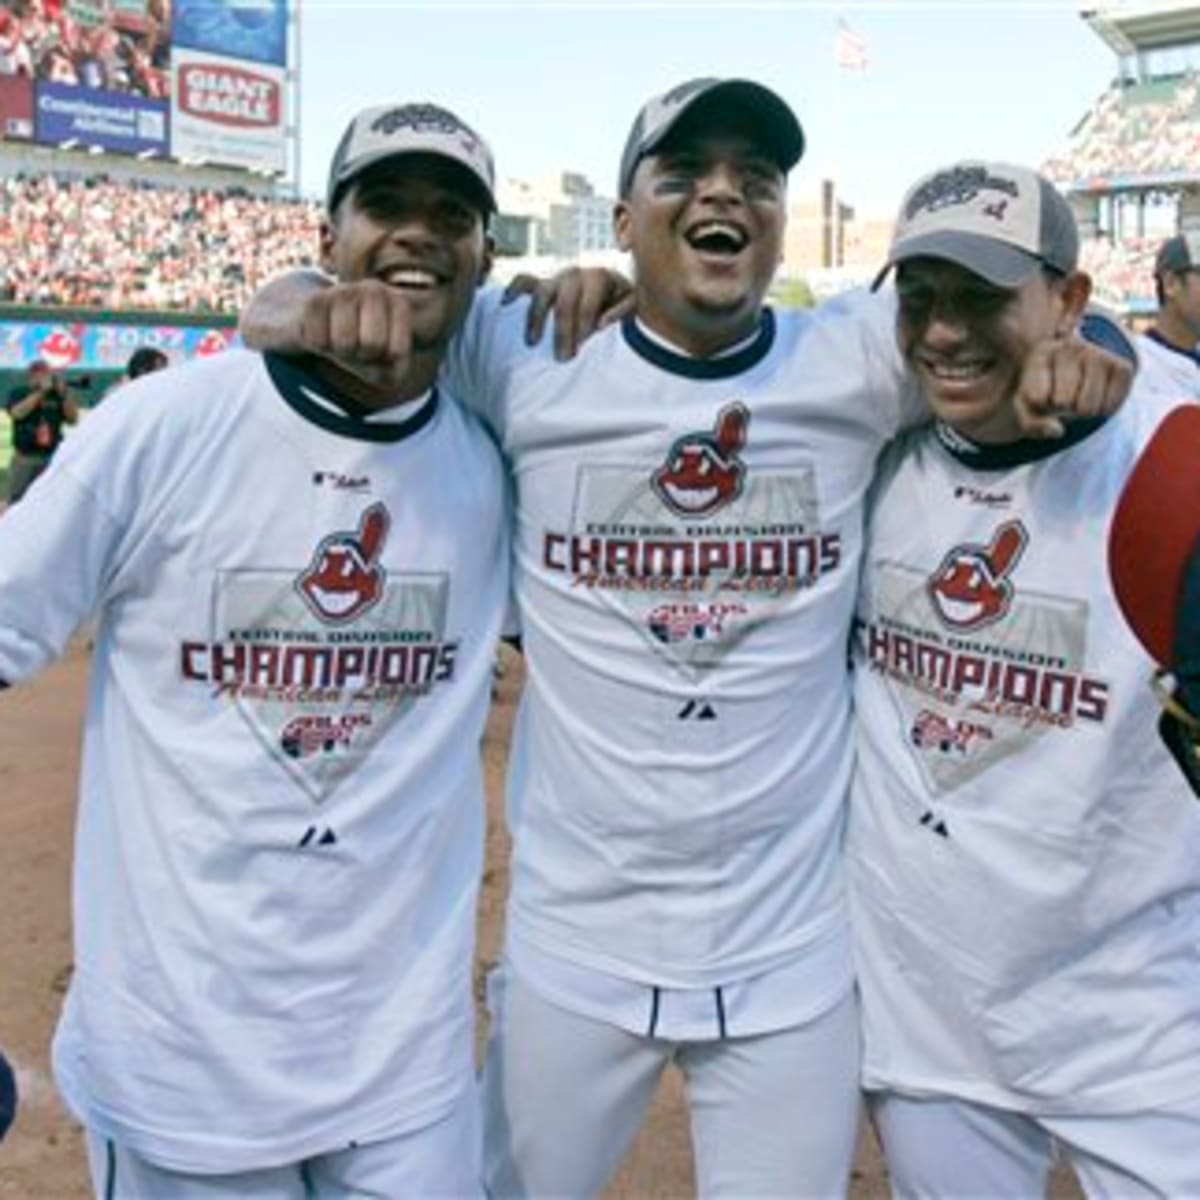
(556,86)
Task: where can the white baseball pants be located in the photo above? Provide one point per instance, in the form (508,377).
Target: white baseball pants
(954,1150)
(771,1116)
(440,1160)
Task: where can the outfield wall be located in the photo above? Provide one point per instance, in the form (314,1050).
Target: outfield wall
(90,347)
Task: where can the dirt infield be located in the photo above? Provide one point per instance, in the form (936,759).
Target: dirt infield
(42,1159)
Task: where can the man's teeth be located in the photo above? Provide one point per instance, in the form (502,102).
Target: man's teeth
(970,370)
(414,277)
(718,229)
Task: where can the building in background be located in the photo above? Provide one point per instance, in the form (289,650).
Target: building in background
(829,243)
(559,215)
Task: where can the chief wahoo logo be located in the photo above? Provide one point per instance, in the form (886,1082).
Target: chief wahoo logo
(703,472)
(972,587)
(344,578)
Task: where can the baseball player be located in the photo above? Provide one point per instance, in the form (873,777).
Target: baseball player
(1024,857)
(300,579)
(688,533)
(1168,349)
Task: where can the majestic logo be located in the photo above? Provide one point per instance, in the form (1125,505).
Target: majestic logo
(972,587)
(958,186)
(976,495)
(344,578)
(703,472)
(340,481)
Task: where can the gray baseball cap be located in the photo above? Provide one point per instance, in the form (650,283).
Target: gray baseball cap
(1178,254)
(772,118)
(1001,221)
(389,131)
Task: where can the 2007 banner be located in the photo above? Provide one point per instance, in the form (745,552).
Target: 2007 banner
(78,345)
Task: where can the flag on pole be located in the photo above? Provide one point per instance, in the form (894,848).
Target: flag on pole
(851,49)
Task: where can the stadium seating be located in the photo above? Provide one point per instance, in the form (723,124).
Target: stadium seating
(1134,133)
(1139,141)
(1123,272)
(99,243)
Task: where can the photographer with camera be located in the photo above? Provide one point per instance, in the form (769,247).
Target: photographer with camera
(38,412)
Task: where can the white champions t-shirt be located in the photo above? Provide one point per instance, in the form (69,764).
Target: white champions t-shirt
(687,548)
(281,809)
(1024,854)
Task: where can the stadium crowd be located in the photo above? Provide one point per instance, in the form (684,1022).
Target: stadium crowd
(100,243)
(1133,132)
(126,52)
(1122,272)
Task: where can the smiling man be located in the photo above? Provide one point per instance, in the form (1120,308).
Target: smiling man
(690,492)
(1024,857)
(299,577)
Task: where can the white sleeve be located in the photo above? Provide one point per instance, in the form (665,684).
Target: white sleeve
(482,356)
(891,386)
(62,546)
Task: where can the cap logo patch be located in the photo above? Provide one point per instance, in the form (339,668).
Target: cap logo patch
(959,186)
(419,117)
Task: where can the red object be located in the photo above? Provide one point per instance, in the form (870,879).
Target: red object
(1155,530)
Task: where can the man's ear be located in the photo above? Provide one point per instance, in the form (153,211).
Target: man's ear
(622,225)
(327,241)
(488,260)
(1076,290)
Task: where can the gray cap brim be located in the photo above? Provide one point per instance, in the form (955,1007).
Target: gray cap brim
(1005,266)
